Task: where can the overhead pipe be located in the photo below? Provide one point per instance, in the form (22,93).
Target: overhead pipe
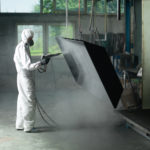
(118,10)
(41,6)
(66,14)
(128,27)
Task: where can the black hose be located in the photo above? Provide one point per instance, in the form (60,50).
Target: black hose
(43,116)
(40,108)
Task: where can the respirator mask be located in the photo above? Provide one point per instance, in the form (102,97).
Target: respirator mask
(31,42)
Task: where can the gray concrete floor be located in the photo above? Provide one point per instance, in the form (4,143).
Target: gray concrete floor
(86,124)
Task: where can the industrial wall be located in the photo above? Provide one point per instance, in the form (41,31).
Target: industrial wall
(58,74)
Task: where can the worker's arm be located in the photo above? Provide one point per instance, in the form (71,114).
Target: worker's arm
(26,61)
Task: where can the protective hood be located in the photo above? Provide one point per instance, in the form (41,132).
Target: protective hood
(26,33)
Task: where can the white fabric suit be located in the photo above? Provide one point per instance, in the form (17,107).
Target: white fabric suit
(26,102)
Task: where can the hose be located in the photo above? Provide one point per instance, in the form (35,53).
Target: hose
(79,21)
(41,70)
(66,14)
(43,116)
(92,21)
(42,111)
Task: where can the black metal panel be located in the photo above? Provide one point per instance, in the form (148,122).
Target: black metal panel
(106,72)
(92,69)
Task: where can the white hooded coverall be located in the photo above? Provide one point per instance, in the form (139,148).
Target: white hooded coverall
(26,102)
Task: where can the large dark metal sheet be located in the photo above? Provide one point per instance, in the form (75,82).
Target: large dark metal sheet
(92,68)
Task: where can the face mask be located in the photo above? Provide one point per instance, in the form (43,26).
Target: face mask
(31,42)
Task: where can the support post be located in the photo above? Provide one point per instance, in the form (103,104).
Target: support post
(127,20)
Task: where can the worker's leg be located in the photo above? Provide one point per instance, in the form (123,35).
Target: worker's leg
(19,117)
(28,102)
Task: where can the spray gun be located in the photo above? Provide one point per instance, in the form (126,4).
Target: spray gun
(45,60)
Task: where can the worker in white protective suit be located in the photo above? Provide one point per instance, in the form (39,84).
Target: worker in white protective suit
(26,103)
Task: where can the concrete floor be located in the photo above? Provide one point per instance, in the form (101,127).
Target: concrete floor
(86,124)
